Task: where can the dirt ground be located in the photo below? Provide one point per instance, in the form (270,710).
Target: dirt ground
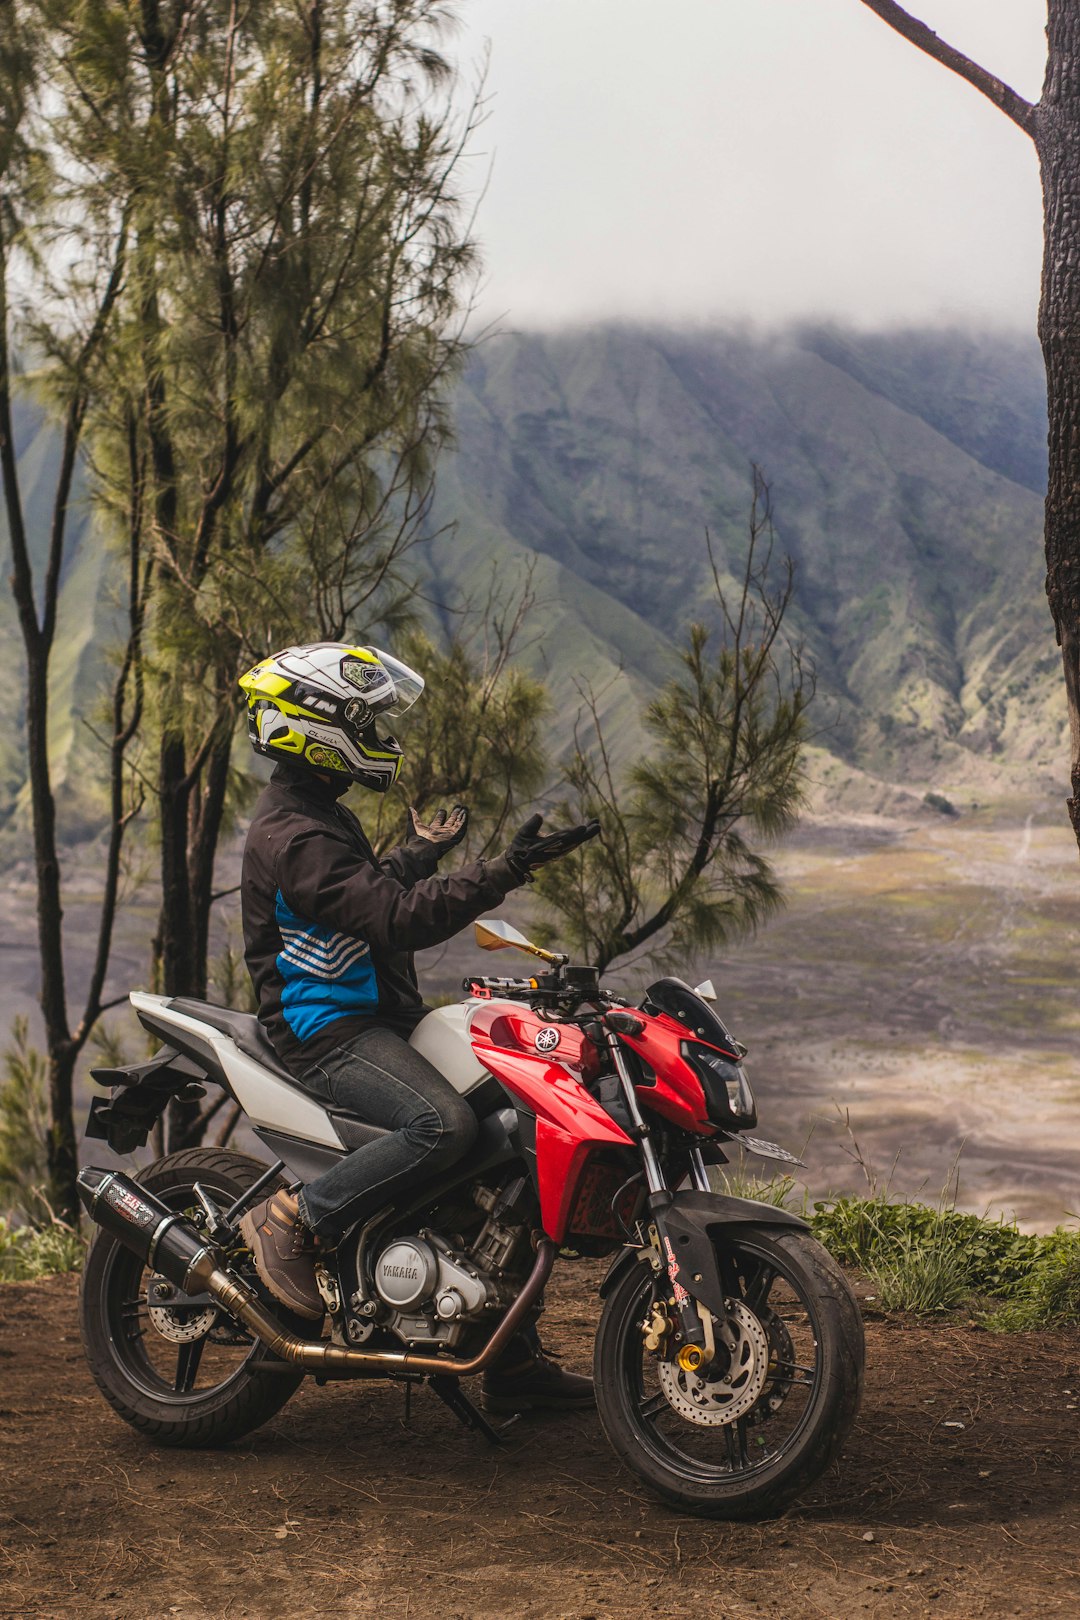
(958,1496)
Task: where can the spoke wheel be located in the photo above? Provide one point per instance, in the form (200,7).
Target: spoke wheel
(741,1443)
(180,1371)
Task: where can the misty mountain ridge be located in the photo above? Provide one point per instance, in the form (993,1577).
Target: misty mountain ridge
(906,473)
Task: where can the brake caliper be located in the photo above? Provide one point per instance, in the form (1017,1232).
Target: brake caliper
(656,1328)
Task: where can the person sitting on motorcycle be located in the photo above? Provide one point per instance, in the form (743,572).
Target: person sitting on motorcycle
(329,932)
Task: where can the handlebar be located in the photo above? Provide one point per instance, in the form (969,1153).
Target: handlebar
(486,988)
(547,986)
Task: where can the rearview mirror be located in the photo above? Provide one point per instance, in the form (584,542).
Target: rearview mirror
(492,934)
(705,990)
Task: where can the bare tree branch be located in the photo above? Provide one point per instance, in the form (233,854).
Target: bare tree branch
(1022,113)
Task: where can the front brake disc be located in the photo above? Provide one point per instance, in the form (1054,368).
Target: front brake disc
(715,1401)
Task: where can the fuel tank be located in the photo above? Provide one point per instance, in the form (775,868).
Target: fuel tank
(443,1038)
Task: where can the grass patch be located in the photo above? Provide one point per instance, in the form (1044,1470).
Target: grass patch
(876,1234)
(1049,1296)
(27,1252)
(783,1191)
(926,1260)
(920,1277)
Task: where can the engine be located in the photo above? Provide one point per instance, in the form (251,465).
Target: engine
(430,1290)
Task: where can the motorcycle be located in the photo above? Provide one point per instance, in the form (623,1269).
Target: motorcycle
(729,1353)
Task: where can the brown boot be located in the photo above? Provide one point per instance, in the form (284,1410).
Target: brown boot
(284,1254)
(533,1383)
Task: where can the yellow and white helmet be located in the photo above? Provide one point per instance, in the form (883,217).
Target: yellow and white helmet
(317,706)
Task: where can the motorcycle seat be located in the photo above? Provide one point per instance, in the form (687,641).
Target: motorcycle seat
(243,1029)
(249,1036)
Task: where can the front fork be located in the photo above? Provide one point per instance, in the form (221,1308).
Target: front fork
(696,1331)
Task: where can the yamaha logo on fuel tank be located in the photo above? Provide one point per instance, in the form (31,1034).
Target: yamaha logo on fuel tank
(547,1039)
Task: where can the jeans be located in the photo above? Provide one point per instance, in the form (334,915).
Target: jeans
(379,1077)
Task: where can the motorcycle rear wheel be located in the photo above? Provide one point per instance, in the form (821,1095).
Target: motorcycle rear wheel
(175,1392)
(753,1466)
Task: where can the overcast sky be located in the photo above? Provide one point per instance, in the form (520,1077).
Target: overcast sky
(763,159)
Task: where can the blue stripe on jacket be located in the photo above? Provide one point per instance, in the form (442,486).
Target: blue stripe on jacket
(326,975)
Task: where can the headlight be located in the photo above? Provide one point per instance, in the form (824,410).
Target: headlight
(728,1097)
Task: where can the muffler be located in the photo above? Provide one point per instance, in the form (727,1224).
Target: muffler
(166,1241)
(170,1244)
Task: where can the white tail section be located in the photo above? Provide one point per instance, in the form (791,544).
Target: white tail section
(265,1099)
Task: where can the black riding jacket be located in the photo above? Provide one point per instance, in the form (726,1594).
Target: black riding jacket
(329,929)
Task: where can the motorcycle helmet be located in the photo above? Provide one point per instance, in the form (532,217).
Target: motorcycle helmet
(318,706)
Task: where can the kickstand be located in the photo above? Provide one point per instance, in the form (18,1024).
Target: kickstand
(449,1390)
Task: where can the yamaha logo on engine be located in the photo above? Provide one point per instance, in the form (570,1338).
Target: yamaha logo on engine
(547,1039)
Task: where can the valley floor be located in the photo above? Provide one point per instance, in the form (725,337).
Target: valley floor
(919,996)
(957,1497)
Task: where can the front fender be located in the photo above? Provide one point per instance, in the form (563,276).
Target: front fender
(695,1222)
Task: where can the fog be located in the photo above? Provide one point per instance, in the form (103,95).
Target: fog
(764,160)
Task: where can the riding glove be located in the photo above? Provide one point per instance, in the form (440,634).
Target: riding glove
(443,830)
(528,850)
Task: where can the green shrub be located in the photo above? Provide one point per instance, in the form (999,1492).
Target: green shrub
(920,1276)
(869,1232)
(24,1128)
(27,1252)
(1049,1296)
(924,1259)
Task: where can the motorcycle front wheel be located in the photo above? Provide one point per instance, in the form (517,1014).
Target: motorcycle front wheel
(742,1441)
(183,1375)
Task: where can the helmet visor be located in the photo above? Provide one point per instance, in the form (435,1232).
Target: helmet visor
(408,685)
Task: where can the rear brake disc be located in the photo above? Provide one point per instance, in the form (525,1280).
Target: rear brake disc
(171,1318)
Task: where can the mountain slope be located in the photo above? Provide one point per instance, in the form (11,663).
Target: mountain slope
(906,475)
(919,571)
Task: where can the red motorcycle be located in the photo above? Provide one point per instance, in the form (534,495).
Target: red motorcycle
(729,1352)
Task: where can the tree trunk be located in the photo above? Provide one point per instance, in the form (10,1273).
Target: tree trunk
(62,1149)
(173,947)
(1057,138)
(175,941)
(205,832)
(190,829)
(62,1053)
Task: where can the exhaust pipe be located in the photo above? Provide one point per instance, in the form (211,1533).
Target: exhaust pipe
(173,1246)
